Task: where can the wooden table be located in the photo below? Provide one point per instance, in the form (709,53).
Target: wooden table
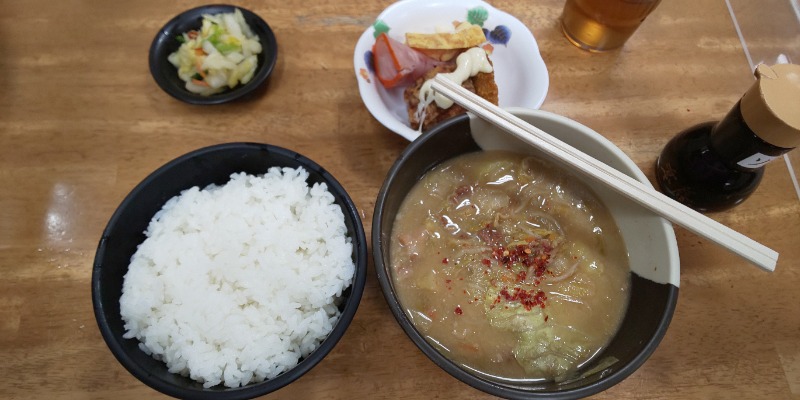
(82,122)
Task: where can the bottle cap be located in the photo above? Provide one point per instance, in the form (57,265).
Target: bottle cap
(771,107)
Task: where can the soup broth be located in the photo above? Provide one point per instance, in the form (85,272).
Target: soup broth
(509,267)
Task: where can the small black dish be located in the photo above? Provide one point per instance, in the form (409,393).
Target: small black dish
(165,43)
(125,231)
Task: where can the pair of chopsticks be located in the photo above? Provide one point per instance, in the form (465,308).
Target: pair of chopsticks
(647,197)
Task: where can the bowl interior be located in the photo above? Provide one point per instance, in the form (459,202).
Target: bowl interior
(649,239)
(125,231)
(165,43)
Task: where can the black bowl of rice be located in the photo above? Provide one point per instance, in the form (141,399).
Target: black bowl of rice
(229,272)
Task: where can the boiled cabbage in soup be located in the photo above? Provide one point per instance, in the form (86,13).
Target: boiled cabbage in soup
(509,267)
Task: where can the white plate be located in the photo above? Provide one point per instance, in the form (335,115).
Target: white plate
(521,76)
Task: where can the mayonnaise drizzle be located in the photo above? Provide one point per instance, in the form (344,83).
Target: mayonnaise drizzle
(468,64)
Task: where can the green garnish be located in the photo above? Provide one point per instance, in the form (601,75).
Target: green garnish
(380,27)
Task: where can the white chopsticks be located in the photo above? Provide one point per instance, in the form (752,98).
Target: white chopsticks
(649,198)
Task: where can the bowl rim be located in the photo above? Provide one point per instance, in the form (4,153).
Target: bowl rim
(167,32)
(452,368)
(358,240)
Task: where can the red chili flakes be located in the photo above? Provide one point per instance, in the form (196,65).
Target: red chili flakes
(521,275)
(445,261)
(496,301)
(459,193)
(546,317)
(459,311)
(486,262)
(527,298)
(534,256)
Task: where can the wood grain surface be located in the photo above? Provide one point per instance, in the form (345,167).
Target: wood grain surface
(82,122)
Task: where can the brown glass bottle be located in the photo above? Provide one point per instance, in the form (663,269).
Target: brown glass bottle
(701,166)
(717,165)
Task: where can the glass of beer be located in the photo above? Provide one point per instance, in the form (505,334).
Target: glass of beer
(600,25)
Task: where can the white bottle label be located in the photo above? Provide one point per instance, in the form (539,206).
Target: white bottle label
(756,160)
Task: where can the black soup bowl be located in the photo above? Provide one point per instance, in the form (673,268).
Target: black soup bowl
(649,239)
(166,43)
(125,231)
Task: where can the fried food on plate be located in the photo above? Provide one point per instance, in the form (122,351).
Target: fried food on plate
(465,36)
(482,84)
(457,54)
(445,46)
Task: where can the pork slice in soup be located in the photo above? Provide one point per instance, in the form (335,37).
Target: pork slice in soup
(509,267)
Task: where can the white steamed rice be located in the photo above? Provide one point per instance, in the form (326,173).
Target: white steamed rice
(235,283)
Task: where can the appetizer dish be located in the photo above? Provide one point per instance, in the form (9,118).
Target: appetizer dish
(220,55)
(460,56)
(485,50)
